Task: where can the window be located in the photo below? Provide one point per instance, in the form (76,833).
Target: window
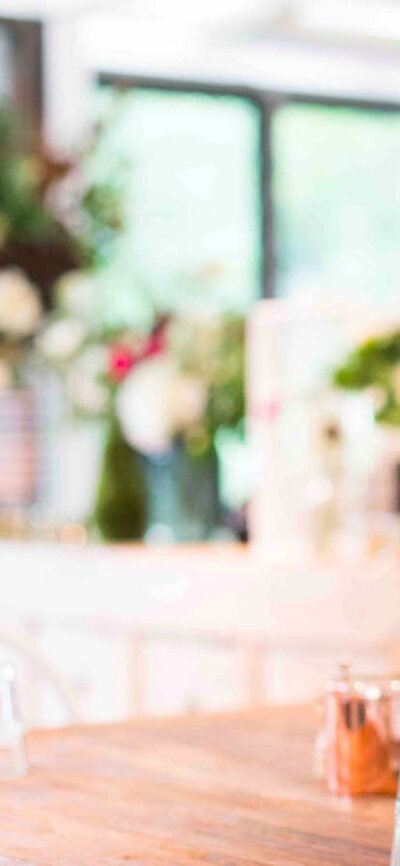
(198,190)
(336,191)
(193,197)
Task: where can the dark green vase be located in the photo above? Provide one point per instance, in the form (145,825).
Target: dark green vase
(120,511)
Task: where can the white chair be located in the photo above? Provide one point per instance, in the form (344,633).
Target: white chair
(33,673)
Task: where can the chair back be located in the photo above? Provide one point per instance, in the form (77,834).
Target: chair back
(35,675)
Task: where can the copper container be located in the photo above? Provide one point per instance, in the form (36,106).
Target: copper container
(362,734)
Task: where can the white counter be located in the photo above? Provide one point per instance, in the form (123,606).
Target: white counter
(135,630)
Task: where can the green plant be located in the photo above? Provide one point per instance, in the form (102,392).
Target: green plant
(375,365)
(214,350)
(24,217)
(45,199)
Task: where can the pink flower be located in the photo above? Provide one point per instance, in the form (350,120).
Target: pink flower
(121,361)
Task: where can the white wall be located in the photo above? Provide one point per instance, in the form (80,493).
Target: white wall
(66,82)
(77,48)
(128,45)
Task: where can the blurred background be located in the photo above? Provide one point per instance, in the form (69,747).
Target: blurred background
(199,221)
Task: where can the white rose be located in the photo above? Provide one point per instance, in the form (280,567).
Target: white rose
(83,382)
(75,291)
(5,375)
(188,401)
(20,307)
(143,405)
(61,339)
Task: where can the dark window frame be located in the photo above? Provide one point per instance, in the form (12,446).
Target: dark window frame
(26,37)
(268,101)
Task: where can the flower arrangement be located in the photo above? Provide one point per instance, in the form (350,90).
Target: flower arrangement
(180,382)
(182,379)
(375,365)
(20,317)
(55,215)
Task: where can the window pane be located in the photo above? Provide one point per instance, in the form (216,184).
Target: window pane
(193,198)
(336,187)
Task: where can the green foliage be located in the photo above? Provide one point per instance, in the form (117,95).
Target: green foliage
(226,395)
(120,511)
(375,364)
(103,222)
(102,204)
(23,214)
(213,350)
(88,214)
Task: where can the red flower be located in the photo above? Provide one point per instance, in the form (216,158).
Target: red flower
(157,339)
(155,345)
(122,359)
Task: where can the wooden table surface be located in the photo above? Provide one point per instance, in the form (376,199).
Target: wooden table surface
(231,790)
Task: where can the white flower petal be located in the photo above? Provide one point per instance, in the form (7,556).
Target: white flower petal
(188,401)
(143,406)
(20,306)
(75,291)
(61,339)
(83,381)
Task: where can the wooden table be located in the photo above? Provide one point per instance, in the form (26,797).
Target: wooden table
(232,790)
